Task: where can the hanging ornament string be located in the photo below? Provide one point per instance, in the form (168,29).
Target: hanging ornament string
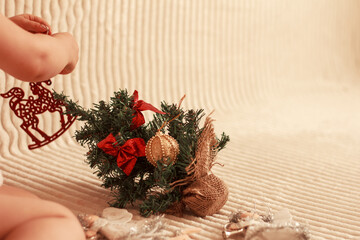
(167,122)
(181,100)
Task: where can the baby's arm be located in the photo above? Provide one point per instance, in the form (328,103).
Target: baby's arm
(35,57)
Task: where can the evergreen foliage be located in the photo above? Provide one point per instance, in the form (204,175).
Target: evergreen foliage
(147,185)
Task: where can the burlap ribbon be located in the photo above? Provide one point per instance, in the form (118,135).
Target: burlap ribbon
(206,194)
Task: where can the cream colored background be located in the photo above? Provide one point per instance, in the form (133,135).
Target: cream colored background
(283,77)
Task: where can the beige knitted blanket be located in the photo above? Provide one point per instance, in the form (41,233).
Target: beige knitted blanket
(282,76)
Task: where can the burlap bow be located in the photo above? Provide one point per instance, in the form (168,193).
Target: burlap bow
(206,193)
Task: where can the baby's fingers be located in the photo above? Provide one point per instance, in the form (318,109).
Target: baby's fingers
(36,27)
(39,24)
(31,23)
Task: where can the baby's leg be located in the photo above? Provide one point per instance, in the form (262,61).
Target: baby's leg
(54,228)
(32,218)
(13,191)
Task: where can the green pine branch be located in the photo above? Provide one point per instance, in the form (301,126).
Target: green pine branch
(148,184)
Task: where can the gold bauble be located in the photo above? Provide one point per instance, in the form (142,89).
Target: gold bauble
(161,147)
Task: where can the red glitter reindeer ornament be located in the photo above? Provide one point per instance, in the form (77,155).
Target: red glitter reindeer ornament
(28,109)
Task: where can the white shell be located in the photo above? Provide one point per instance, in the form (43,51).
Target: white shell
(117,214)
(115,231)
(98,224)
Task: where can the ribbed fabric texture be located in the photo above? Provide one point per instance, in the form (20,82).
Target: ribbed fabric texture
(282,76)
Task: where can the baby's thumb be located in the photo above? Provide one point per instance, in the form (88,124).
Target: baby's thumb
(36,27)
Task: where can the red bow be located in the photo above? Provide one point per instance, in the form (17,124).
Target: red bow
(127,154)
(140,105)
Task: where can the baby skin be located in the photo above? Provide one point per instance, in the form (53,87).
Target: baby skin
(24,216)
(30,52)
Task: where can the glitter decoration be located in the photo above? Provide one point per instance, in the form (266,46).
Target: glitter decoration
(29,109)
(251,226)
(285,231)
(118,224)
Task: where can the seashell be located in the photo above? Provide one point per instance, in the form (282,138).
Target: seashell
(98,224)
(115,231)
(117,214)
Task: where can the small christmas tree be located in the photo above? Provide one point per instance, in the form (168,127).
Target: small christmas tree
(114,133)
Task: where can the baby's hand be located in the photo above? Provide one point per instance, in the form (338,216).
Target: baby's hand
(31,23)
(72,50)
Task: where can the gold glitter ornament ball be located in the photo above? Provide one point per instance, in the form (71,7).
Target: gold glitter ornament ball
(161,147)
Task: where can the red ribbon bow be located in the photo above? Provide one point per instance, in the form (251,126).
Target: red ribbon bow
(127,154)
(140,105)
